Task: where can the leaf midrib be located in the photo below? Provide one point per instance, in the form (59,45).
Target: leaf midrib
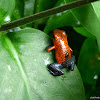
(14,53)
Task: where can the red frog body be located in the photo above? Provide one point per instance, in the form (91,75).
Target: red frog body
(63,53)
(61,46)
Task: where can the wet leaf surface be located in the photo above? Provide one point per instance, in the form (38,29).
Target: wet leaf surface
(23,70)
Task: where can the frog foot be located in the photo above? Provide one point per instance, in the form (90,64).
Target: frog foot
(55,69)
(71,63)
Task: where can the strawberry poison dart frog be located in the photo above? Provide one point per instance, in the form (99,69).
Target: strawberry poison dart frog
(63,54)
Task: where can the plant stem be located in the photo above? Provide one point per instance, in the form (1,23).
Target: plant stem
(44,14)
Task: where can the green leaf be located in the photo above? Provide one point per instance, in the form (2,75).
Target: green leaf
(41,5)
(58,20)
(87,18)
(96,7)
(83,31)
(29,7)
(19,10)
(35,6)
(6,9)
(98,42)
(89,62)
(23,70)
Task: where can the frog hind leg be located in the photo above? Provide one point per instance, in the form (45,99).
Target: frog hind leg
(71,63)
(55,69)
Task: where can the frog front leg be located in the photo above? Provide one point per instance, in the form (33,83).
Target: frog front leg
(55,69)
(71,63)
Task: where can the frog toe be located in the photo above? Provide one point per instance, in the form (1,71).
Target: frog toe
(55,69)
(72,67)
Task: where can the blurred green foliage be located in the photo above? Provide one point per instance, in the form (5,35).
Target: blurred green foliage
(82,26)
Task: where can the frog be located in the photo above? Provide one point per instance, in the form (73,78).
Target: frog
(63,54)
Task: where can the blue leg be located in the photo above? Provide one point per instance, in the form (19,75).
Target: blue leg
(71,63)
(71,53)
(53,73)
(55,69)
